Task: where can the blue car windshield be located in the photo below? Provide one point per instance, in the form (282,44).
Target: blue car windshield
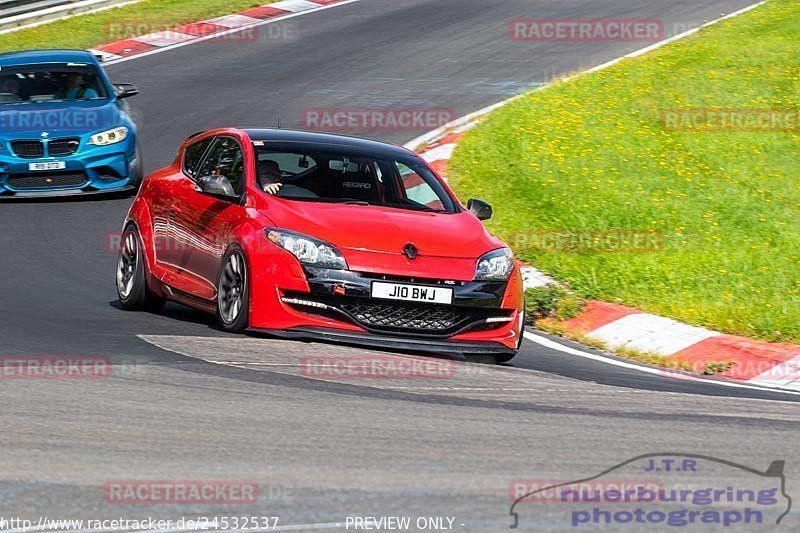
(51,83)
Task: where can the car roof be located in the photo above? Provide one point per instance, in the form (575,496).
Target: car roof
(322,140)
(30,57)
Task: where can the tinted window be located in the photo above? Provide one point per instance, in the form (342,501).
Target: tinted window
(289,163)
(225,159)
(330,175)
(44,83)
(192,155)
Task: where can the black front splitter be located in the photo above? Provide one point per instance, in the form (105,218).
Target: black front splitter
(454,349)
(63,194)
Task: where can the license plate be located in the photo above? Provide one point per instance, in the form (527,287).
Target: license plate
(412,293)
(50,165)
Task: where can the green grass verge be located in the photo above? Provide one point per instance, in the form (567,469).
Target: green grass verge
(719,208)
(87,31)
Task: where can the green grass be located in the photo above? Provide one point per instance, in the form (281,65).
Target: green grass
(592,155)
(87,31)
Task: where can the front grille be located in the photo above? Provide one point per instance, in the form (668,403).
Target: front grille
(28,149)
(62,147)
(417,317)
(22,182)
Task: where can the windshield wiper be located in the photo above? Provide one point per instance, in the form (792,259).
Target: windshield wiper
(354,202)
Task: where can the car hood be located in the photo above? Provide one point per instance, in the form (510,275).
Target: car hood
(58,119)
(386,230)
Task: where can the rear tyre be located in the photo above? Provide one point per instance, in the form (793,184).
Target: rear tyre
(233,292)
(132,275)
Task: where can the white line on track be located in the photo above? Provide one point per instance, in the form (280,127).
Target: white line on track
(228,32)
(553,345)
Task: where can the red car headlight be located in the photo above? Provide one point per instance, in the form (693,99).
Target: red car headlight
(496,265)
(308,250)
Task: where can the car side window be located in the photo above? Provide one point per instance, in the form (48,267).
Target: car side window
(225,158)
(417,189)
(193,154)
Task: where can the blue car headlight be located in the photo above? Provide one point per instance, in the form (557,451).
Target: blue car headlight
(308,250)
(496,265)
(112,136)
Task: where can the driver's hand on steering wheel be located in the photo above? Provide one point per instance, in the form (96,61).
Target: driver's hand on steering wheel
(272,188)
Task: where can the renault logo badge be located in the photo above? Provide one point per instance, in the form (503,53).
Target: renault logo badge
(410,251)
(45,135)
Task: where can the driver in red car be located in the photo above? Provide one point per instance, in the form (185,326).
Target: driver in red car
(269,175)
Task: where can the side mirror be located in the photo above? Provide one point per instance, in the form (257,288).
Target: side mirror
(216,186)
(479,208)
(125,90)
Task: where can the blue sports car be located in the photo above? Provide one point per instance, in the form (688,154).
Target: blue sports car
(64,127)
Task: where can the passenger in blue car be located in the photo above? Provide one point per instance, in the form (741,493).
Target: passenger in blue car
(75,88)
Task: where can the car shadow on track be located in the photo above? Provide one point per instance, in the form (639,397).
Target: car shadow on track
(179,312)
(189,315)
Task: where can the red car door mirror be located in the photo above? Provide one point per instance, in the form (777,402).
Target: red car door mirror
(217,186)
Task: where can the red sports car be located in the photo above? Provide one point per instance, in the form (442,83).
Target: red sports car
(306,235)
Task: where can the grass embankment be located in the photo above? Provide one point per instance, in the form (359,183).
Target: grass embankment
(149,16)
(593,183)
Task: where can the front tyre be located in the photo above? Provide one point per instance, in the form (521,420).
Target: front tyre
(233,292)
(132,275)
(504,357)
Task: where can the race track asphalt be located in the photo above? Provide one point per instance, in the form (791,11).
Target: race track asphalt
(186,401)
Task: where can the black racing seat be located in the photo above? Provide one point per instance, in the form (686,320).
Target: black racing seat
(360,186)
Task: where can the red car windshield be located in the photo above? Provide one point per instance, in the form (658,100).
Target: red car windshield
(337,177)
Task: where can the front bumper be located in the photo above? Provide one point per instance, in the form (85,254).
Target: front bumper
(456,349)
(485,317)
(91,169)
